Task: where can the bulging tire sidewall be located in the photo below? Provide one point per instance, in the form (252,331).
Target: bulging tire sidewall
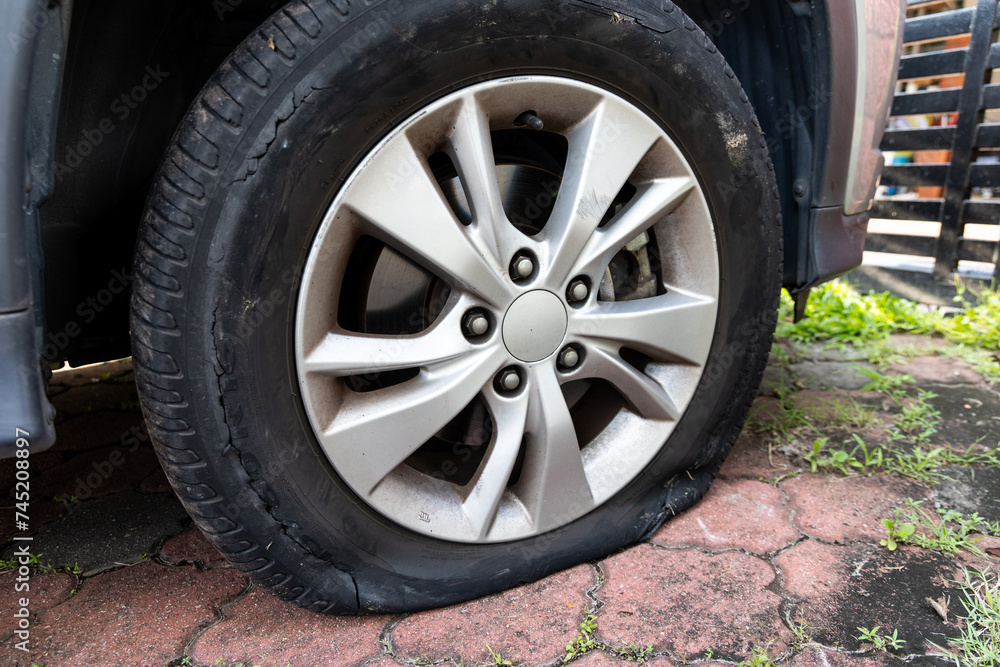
(314,126)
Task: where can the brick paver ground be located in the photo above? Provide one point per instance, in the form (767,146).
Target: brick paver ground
(776,557)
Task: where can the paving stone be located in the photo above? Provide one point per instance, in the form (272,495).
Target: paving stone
(37,464)
(119,528)
(918,341)
(815,656)
(749,459)
(989,562)
(969,490)
(831,405)
(868,587)
(689,602)
(98,472)
(946,370)
(191,547)
(831,374)
(261,629)
(105,397)
(44,591)
(140,615)
(743,514)
(968,414)
(531,623)
(819,572)
(847,509)
(829,352)
(43,512)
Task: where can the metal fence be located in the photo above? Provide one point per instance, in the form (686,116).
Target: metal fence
(937,214)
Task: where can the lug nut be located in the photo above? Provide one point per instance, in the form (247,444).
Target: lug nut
(475,323)
(521,267)
(508,380)
(569,357)
(578,291)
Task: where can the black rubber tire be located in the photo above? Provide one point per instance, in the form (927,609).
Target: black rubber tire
(251,171)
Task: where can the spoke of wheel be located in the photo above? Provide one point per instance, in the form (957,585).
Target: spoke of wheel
(603,152)
(553,485)
(490,482)
(345,353)
(376,431)
(670,327)
(652,201)
(472,151)
(648,398)
(404,207)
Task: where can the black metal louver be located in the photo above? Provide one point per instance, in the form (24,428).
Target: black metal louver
(971,140)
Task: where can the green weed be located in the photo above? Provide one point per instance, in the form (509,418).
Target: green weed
(758,658)
(39,566)
(584,642)
(633,652)
(920,419)
(881,642)
(498,659)
(946,531)
(890,385)
(803,634)
(979,642)
(865,459)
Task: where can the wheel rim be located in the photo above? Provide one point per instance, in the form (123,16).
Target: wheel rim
(598,319)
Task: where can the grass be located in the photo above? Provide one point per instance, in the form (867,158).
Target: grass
(920,464)
(978,645)
(633,652)
(785,418)
(920,418)
(840,314)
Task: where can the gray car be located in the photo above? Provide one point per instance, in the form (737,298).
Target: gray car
(428,299)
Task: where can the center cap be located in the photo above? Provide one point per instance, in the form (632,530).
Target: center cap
(535,325)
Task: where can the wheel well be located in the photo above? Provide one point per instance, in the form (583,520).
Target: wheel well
(132,69)
(779,50)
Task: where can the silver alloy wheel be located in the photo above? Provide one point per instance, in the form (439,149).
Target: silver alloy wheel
(650,350)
